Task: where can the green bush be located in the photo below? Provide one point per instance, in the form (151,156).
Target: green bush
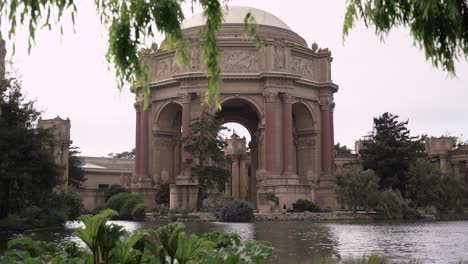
(162,194)
(237,211)
(138,212)
(391,205)
(305,206)
(126,210)
(110,243)
(117,201)
(72,203)
(114,190)
(213,202)
(55,209)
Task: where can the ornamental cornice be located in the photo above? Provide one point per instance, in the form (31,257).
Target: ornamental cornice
(287,98)
(137,106)
(270,96)
(185,98)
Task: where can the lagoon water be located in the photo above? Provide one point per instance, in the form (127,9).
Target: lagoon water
(301,242)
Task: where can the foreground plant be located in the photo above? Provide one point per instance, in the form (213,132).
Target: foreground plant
(110,243)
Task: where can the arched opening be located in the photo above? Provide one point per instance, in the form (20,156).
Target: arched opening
(242,150)
(305,135)
(167,160)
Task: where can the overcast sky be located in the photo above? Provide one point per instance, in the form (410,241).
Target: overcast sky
(69,77)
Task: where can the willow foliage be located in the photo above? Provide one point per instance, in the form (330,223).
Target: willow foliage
(129,24)
(439,27)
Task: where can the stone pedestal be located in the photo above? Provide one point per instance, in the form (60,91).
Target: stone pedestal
(144,189)
(287,189)
(184,193)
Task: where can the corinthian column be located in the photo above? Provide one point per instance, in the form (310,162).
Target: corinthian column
(326,138)
(186,100)
(332,141)
(270,132)
(137,139)
(287,135)
(144,136)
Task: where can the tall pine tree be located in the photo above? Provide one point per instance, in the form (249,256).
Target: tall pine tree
(27,170)
(208,162)
(391,151)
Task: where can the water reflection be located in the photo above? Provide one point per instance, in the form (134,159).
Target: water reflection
(301,242)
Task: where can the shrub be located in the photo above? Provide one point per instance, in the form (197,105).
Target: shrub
(72,203)
(213,202)
(272,198)
(114,190)
(305,206)
(127,209)
(237,211)
(162,194)
(392,205)
(117,201)
(138,212)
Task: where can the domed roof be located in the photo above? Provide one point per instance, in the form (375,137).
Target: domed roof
(236,15)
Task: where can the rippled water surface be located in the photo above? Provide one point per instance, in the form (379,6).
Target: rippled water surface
(300,242)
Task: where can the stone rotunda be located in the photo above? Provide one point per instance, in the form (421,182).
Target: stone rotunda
(282,94)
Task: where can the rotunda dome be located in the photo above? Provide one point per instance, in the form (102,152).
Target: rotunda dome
(236,15)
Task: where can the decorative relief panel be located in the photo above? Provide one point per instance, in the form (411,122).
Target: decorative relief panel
(302,67)
(166,68)
(239,61)
(305,140)
(163,141)
(280,55)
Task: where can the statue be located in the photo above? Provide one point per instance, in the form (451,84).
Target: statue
(164,176)
(156,179)
(312,177)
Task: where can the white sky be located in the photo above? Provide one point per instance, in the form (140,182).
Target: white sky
(69,77)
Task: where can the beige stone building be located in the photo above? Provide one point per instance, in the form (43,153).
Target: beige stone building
(100,174)
(282,93)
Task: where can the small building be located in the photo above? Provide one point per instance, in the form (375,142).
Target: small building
(100,174)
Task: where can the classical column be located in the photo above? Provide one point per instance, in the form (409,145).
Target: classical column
(443,163)
(203,105)
(137,138)
(326,137)
(144,142)
(332,142)
(253,145)
(186,100)
(288,146)
(235,176)
(270,132)
(243,177)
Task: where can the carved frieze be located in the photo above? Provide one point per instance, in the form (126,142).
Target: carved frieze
(305,140)
(163,141)
(239,61)
(167,67)
(302,66)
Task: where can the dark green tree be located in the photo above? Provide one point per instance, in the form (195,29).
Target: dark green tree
(163,194)
(76,174)
(356,187)
(27,170)
(342,149)
(123,155)
(391,151)
(424,183)
(206,147)
(438,27)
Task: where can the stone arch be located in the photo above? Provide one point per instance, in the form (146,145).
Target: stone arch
(244,111)
(169,116)
(166,161)
(306,142)
(234,110)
